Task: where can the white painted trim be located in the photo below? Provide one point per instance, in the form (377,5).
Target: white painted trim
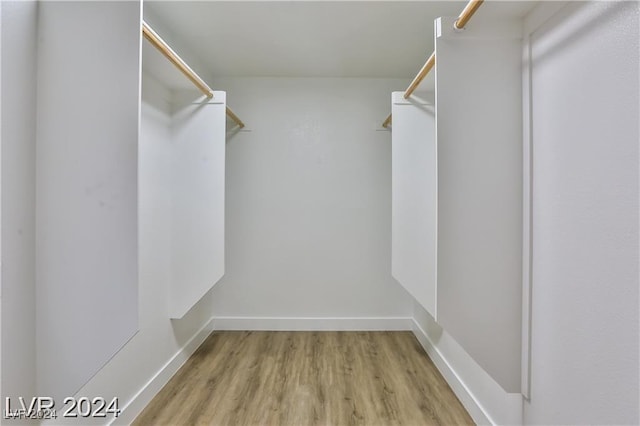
(1,257)
(464,394)
(312,324)
(527,222)
(535,19)
(144,396)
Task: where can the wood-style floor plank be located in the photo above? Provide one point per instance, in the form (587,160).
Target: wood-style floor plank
(247,378)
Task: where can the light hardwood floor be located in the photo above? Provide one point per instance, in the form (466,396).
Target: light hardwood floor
(244,378)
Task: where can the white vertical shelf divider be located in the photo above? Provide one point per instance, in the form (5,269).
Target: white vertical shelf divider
(480,183)
(198,175)
(413,259)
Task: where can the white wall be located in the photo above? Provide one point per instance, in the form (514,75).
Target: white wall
(18,197)
(87,201)
(159,340)
(309,201)
(1,394)
(585,135)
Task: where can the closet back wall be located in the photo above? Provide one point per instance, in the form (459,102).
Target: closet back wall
(308,206)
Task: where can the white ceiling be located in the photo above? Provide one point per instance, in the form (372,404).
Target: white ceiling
(389,39)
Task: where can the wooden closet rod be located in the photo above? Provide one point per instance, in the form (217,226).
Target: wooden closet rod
(421,75)
(176,60)
(234,118)
(387,121)
(467,13)
(462,20)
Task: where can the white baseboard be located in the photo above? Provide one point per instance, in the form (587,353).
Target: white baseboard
(312,324)
(458,386)
(144,396)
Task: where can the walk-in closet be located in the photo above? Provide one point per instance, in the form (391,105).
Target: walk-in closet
(319,212)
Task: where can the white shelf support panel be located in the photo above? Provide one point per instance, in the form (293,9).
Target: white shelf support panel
(413,258)
(479,156)
(198,170)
